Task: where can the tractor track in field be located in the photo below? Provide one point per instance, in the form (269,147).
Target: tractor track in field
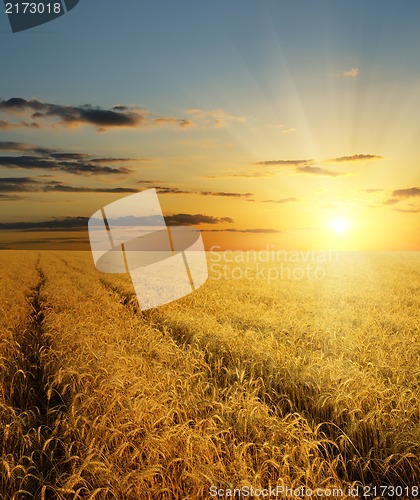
(38,410)
(283,399)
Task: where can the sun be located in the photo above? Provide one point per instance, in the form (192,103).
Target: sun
(340,226)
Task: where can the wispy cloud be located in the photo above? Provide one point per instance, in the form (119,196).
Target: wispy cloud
(281,200)
(318,171)
(258,230)
(269,168)
(8,197)
(391,201)
(6,125)
(194,219)
(217,118)
(266,168)
(225,194)
(354,158)
(408,210)
(284,163)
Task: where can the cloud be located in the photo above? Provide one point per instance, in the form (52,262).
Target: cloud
(351,73)
(56,224)
(225,194)
(354,158)
(318,171)
(249,174)
(281,200)
(81,223)
(5,125)
(17,184)
(266,168)
(64,188)
(27,184)
(7,197)
(269,168)
(22,147)
(408,210)
(217,118)
(41,158)
(175,190)
(190,220)
(253,231)
(391,201)
(73,167)
(398,195)
(406,193)
(285,163)
(373,190)
(75,116)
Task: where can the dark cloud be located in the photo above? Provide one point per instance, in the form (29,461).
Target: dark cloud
(21,147)
(63,224)
(70,156)
(103,119)
(39,157)
(47,163)
(74,115)
(190,219)
(355,158)
(170,190)
(64,188)
(318,171)
(120,160)
(47,159)
(27,184)
(406,193)
(373,190)
(17,184)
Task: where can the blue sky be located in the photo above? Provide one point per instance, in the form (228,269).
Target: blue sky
(155,51)
(258,81)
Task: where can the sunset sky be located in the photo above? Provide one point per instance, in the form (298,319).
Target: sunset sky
(292,123)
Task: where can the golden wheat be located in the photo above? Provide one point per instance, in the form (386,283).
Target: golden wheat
(299,383)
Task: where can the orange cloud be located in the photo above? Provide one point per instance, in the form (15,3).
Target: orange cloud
(351,73)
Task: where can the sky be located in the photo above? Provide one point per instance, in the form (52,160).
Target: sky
(286,123)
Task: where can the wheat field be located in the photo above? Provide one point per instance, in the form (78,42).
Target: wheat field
(246,383)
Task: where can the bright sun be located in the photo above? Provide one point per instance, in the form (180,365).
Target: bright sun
(340,226)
